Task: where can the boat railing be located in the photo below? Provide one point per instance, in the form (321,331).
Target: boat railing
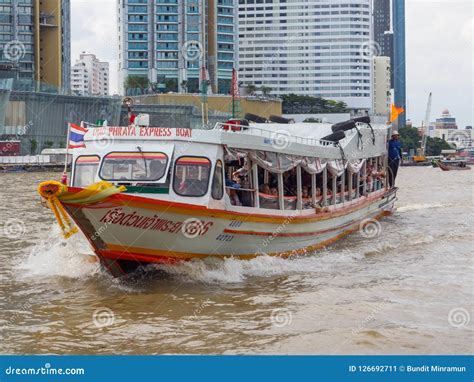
(40,159)
(265,133)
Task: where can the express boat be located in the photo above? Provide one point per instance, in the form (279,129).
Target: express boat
(143,194)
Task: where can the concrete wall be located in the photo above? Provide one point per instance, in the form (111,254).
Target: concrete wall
(221,103)
(43,117)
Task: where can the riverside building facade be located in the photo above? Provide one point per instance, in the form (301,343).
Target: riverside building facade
(35,44)
(169,41)
(90,76)
(313,47)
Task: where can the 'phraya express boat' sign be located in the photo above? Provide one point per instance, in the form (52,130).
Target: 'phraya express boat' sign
(145,194)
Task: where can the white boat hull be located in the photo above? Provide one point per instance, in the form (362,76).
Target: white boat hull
(126,229)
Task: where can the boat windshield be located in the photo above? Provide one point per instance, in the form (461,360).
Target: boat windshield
(191,176)
(85,170)
(134,166)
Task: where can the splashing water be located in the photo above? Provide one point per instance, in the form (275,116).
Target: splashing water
(54,256)
(422,206)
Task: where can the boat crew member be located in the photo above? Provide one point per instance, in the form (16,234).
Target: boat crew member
(394,157)
(232,187)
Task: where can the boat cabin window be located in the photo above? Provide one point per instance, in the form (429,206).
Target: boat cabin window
(85,170)
(134,166)
(268,189)
(191,176)
(217,190)
(239,183)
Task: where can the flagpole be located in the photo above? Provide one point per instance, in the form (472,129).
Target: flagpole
(64,175)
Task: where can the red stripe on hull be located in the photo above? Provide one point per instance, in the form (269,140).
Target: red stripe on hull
(293,234)
(115,255)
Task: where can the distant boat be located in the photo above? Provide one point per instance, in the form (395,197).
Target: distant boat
(4,169)
(453,165)
(468,154)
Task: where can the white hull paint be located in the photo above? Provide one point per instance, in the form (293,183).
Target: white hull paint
(134,230)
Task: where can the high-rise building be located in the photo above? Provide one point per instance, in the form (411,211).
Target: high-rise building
(169,41)
(383,31)
(90,76)
(35,44)
(382,95)
(399,60)
(389,36)
(312,47)
(446,121)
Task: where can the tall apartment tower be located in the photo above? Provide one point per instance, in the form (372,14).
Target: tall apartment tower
(399,58)
(169,41)
(389,34)
(90,76)
(312,47)
(383,29)
(35,44)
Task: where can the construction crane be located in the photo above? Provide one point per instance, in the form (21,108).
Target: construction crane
(420,157)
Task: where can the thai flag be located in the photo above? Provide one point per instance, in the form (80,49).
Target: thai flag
(76,136)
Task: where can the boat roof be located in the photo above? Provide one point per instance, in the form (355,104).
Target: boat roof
(303,139)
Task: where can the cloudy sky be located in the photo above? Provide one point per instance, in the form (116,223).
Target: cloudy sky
(440,52)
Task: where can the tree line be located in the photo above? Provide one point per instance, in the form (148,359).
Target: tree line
(410,139)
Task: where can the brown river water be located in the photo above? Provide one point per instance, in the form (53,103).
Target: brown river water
(406,289)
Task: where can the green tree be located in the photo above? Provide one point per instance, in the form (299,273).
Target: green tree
(184,86)
(171,85)
(410,139)
(136,82)
(265,90)
(250,89)
(304,104)
(48,144)
(33,146)
(435,145)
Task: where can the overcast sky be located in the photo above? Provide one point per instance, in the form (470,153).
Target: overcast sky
(440,52)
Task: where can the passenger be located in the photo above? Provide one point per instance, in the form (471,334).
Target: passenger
(369,177)
(305,192)
(157,169)
(193,186)
(245,195)
(265,189)
(380,177)
(231,188)
(319,203)
(274,191)
(241,172)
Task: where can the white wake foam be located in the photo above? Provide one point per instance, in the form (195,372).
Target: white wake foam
(416,207)
(236,271)
(54,256)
